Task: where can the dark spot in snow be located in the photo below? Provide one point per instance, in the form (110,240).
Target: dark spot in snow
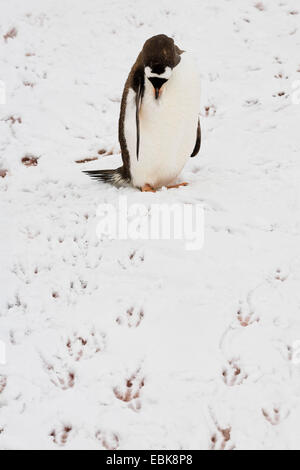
(260,6)
(14,119)
(28,84)
(30,160)
(11,34)
(86,160)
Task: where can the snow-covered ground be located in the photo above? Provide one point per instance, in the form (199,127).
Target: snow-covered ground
(143,344)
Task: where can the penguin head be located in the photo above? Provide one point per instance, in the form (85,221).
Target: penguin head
(160,55)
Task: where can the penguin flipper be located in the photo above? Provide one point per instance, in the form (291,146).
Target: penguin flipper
(198,141)
(138,102)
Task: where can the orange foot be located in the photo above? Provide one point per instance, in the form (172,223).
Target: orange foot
(177,185)
(148,189)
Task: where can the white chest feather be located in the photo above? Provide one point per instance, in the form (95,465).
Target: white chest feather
(168,126)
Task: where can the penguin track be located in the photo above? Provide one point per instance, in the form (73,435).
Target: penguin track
(260,6)
(11,34)
(275,415)
(16,303)
(22,273)
(86,160)
(59,375)
(130,391)
(134,258)
(28,159)
(286,350)
(233,374)
(17,336)
(280,76)
(13,120)
(281,275)
(210,110)
(60,435)
(108,440)
(133,317)
(246,315)
(3,383)
(221,437)
(85,346)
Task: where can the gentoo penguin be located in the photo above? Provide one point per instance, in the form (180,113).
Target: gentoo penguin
(159,127)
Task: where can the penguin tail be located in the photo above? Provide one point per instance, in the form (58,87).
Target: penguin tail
(115,177)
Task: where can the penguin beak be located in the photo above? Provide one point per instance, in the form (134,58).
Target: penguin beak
(157,83)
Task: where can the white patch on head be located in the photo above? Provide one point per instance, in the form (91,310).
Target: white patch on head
(167,73)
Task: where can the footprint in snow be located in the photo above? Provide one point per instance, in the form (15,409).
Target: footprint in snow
(133,317)
(108,440)
(85,346)
(233,374)
(274,415)
(130,391)
(60,435)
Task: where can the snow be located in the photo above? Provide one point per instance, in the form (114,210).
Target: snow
(142,344)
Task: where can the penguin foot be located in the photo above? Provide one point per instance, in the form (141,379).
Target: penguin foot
(177,185)
(148,189)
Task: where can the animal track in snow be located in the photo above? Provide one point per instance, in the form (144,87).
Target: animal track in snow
(108,440)
(220,440)
(13,120)
(86,160)
(286,351)
(274,415)
(260,6)
(133,317)
(31,85)
(251,102)
(280,276)
(131,390)
(85,346)
(21,272)
(104,151)
(280,94)
(280,76)
(80,286)
(135,258)
(233,375)
(29,160)
(3,383)
(246,315)
(210,110)
(62,378)
(60,435)
(16,303)
(11,34)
